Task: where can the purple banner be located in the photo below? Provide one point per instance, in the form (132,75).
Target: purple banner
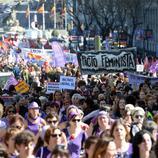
(58,54)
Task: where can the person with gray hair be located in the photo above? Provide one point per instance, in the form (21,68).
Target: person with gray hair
(99,124)
(138,116)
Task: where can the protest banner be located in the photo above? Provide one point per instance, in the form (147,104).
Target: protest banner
(67,82)
(92,62)
(10,81)
(38,56)
(52,87)
(58,54)
(22,87)
(136,79)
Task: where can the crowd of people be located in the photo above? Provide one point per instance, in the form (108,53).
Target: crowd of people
(102,117)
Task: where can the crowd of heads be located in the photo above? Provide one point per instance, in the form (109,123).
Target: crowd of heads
(103,117)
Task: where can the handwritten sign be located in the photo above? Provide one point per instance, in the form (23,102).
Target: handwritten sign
(67,82)
(107,61)
(52,87)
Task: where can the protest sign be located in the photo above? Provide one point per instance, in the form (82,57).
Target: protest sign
(52,87)
(67,82)
(71,58)
(107,61)
(136,79)
(139,67)
(22,87)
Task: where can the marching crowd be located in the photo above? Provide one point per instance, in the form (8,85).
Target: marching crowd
(102,118)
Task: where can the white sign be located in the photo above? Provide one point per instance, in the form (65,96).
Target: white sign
(67,82)
(52,87)
(139,68)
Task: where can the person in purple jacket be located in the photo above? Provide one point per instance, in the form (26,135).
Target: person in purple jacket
(35,122)
(75,135)
(53,137)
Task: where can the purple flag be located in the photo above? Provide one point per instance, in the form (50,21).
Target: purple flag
(154,67)
(58,54)
(11,81)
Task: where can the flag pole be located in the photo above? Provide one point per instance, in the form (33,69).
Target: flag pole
(55,14)
(29,18)
(43,18)
(65,18)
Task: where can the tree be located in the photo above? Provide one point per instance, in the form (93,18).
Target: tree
(95,15)
(132,15)
(107,15)
(81,16)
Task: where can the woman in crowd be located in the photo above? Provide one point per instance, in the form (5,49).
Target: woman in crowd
(142,95)
(66,103)
(52,119)
(53,137)
(104,148)
(34,121)
(58,97)
(128,115)
(100,124)
(75,135)
(142,144)
(64,115)
(151,127)
(52,107)
(59,152)
(75,99)
(9,112)
(120,134)
(24,144)
(17,121)
(145,87)
(90,146)
(71,109)
(121,107)
(9,141)
(138,118)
